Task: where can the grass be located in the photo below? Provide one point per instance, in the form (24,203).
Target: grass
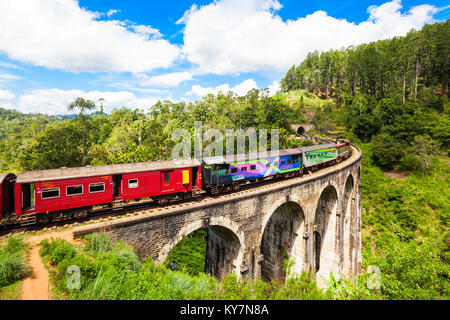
(12,291)
(13,264)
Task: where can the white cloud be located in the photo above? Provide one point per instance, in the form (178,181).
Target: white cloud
(6,95)
(55,101)
(230,36)
(9,65)
(166,80)
(58,34)
(8,76)
(240,89)
(111,12)
(274,87)
(146,30)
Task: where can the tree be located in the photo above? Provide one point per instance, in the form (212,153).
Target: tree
(425,148)
(82,105)
(101,105)
(386,151)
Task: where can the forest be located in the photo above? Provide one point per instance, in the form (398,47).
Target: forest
(389,97)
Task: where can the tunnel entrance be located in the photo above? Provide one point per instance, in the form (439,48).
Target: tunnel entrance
(324,246)
(278,240)
(300,131)
(210,250)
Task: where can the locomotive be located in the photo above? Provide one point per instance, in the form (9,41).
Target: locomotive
(58,194)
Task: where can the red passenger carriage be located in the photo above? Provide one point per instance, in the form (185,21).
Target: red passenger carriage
(74,191)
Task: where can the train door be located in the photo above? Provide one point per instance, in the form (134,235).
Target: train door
(117,187)
(28,197)
(167,183)
(10,194)
(194,177)
(214,176)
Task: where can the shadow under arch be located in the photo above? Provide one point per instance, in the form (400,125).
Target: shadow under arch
(323,235)
(347,225)
(278,240)
(222,248)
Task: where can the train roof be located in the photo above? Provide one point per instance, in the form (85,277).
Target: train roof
(318,147)
(3,176)
(95,171)
(250,156)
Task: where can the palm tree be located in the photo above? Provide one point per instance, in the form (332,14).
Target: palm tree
(82,105)
(101,105)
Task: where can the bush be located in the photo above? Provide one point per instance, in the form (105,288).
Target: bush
(13,262)
(88,270)
(13,267)
(98,242)
(57,250)
(411,163)
(387,152)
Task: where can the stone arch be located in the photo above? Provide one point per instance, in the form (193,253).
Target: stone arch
(223,230)
(348,218)
(282,233)
(223,250)
(325,254)
(185,231)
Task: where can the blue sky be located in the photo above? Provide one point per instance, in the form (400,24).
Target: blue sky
(134,53)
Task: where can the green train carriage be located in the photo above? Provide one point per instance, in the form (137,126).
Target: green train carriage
(315,156)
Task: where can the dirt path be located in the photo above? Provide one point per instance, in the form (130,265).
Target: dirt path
(38,287)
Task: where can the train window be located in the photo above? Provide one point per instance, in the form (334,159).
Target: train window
(133,183)
(74,190)
(244,169)
(253,167)
(166,177)
(233,170)
(275,163)
(50,193)
(282,163)
(96,187)
(289,161)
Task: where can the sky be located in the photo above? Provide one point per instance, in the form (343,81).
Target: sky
(134,53)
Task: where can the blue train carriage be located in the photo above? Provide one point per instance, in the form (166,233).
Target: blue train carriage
(229,172)
(317,156)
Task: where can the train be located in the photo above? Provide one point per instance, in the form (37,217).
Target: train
(44,196)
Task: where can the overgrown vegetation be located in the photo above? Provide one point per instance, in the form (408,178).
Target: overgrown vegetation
(405,229)
(117,273)
(13,261)
(189,254)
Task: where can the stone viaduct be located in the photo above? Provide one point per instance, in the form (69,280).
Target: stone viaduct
(315,220)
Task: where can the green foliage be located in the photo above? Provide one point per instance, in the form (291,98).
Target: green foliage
(118,274)
(13,261)
(98,242)
(57,250)
(405,229)
(189,254)
(386,151)
(344,289)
